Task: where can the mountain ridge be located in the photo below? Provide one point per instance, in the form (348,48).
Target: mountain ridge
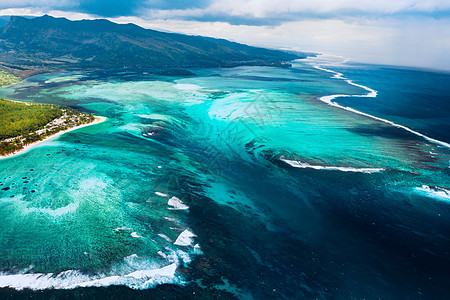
(48,44)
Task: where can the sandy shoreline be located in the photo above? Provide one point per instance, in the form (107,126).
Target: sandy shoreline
(98,119)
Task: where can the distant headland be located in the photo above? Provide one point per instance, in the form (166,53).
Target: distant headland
(46,44)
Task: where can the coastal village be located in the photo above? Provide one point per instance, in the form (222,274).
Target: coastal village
(60,119)
(64,122)
(67,120)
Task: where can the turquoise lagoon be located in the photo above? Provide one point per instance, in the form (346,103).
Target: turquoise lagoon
(250,182)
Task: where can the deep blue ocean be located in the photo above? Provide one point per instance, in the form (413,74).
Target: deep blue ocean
(416,98)
(248,183)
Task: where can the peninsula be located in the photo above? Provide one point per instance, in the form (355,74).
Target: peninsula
(22,124)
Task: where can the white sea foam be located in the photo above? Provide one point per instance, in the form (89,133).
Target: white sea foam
(165,271)
(184,256)
(122,228)
(137,280)
(161,194)
(186,87)
(298,164)
(170,219)
(177,204)
(140,279)
(130,258)
(106,281)
(165,237)
(135,235)
(185,238)
(197,249)
(371,94)
(133,271)
(162,254)
(435,192)
(42,281)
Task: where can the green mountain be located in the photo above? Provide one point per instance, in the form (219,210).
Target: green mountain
(57,43)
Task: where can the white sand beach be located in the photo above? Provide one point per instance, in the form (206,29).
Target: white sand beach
(98,119)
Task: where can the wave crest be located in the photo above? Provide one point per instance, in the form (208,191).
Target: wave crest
(297,164)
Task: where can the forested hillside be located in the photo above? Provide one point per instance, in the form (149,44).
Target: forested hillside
(47,43)
(23,118)
(24,123)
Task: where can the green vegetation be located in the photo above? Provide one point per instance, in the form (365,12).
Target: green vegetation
(24,123)
(7,79)
(47,44)
(22,118)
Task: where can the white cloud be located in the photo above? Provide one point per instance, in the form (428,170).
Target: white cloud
(33,12)
(37,3)
(410,41)
(271,8)
(21,12)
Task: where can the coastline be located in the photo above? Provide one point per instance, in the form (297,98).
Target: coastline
(371,94)
(98,120)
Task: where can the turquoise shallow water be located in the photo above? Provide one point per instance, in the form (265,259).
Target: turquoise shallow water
(309,199)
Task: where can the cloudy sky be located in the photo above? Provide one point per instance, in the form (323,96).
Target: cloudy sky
(398,32)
